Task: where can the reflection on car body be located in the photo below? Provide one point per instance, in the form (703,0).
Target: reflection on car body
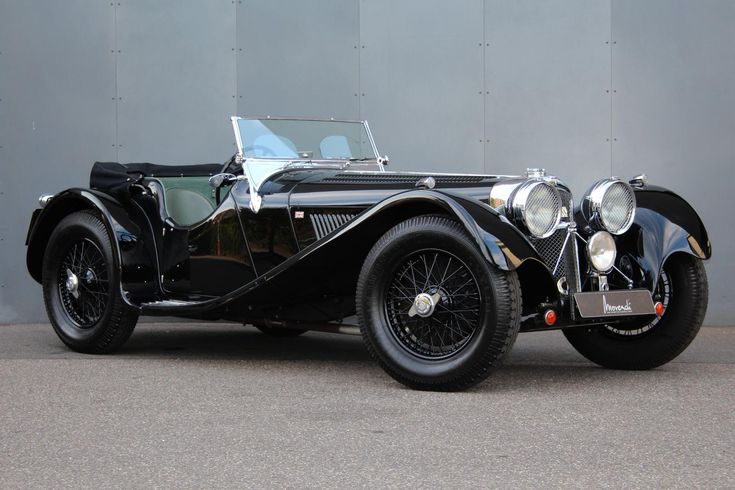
(305,228)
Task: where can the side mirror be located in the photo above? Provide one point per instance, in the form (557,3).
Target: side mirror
(217,181)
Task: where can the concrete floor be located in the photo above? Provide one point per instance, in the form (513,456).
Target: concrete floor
(224,406)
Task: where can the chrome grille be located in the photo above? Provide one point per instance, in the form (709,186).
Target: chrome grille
(326,223)
(550,248)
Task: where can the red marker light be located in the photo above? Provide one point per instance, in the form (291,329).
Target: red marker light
(659,307)
(550,317)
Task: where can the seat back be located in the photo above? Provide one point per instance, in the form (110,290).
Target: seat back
(186,200)
(187,207)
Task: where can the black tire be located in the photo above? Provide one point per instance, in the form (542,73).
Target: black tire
(280,332)
(469,347)
(90,317)
(646,345)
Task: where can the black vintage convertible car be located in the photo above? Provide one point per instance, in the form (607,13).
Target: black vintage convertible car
(305,229)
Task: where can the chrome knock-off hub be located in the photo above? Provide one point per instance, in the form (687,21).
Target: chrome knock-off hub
(424,305)
(72,283)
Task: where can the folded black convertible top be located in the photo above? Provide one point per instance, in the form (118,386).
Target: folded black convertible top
(115,178)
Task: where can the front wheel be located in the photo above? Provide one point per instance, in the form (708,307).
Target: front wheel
(433,312)
(682,288)
(81,286)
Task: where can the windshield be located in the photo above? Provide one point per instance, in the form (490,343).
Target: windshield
(270,145)
(297,139)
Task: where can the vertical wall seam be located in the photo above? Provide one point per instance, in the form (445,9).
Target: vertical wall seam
(484,87)
(236,88)
(612,43)
(115,50)
(359,61)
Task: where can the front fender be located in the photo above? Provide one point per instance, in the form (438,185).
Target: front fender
(503,244)
(137,271)
(664,224)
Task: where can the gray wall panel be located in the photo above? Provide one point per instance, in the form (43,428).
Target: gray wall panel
(176,80)
(421,73)
(474,86)
(297,58)
(57,81)
(674,114)
(547,69)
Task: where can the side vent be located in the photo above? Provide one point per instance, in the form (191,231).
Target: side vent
(326,223)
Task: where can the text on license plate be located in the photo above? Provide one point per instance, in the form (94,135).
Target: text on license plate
(615,303)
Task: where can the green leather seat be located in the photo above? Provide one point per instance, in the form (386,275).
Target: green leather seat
(187,207)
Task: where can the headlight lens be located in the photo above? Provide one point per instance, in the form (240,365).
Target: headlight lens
(610,205)
(537,205)
(601,251)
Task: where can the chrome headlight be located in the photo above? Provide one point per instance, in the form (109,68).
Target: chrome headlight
(601,251)
(610,205)
(536,205)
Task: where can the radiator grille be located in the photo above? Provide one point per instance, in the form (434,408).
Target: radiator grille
(551,248)
(326,223)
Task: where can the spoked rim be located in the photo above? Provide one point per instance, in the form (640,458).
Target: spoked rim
(83,283)
(433,304)
(662,293)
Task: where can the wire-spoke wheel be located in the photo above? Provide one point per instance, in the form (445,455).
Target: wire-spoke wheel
(81,286)
(646,344)
(83,283)
(433,311)
(662,292)
(447,287)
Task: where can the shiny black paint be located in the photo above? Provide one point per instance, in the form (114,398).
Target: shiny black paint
(242,265)
(664,224)
(132,257)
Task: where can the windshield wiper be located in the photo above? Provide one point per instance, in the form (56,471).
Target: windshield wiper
(361,159)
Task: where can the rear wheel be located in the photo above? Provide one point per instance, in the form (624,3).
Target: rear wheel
(682,288)
(81,286)
(433,312)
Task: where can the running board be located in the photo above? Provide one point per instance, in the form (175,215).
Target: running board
(342,328)
(169,305)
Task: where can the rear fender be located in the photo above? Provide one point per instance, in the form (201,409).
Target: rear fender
(137,270)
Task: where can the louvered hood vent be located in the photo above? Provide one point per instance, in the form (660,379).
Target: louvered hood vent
(404,179)
(326,223)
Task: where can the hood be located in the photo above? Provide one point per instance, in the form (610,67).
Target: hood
(366,188)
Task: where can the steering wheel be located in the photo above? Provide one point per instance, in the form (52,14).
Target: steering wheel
(267,152)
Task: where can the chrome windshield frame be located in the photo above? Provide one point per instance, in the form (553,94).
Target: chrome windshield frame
(285,163)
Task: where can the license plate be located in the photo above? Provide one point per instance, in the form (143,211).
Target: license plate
(627,302)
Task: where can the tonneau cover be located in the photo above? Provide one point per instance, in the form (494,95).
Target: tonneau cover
(115,178)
